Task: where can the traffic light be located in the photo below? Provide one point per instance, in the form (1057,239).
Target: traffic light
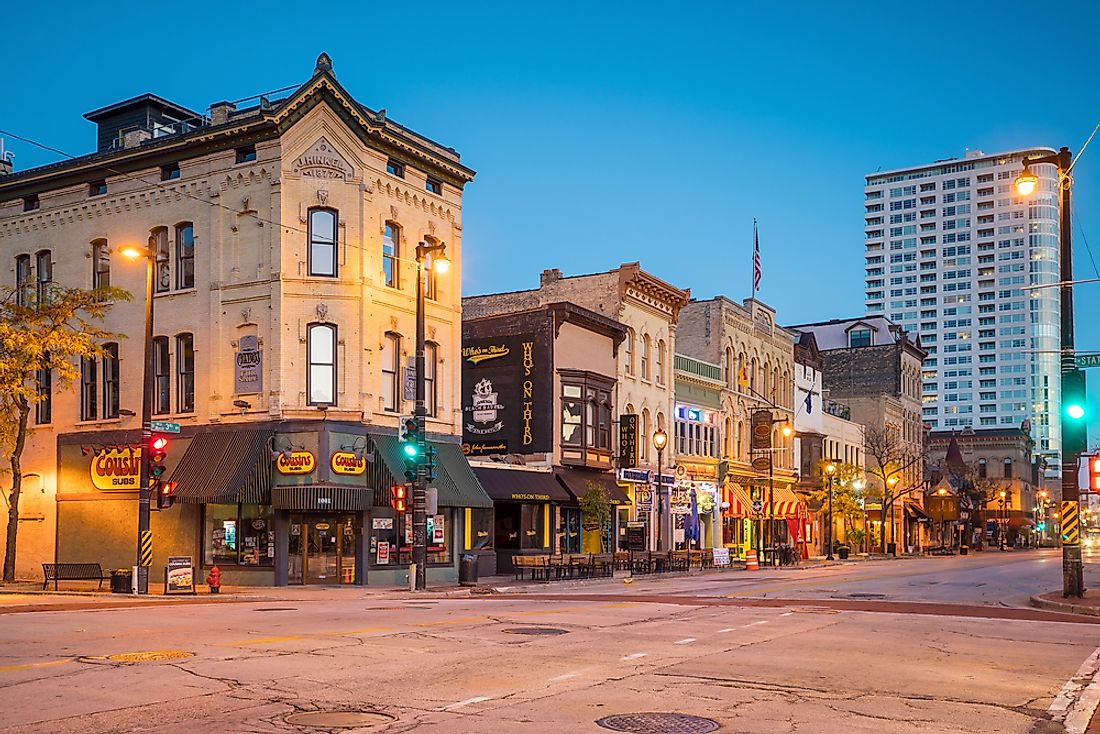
(1094,473)
(409,434)
(398,497)
(1075,412)
(166,496)
(429,464)
(158,451)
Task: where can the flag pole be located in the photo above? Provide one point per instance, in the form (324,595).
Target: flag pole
(753,276)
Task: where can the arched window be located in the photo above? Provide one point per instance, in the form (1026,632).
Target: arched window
(1008,468)
(430,282)
(43,381)
(727,438)
(661,422)
(101,264)
(431,385)
(645,357)
(645,439)
(628,351)
(110,380)
(185,255)
(162,258)
(185,373)
(22,279)
(321,358)
(391,250)
(391,366)
(729,368)
(162,376)
(322,242)
(661,362)
(43,274)
(89,406)
(740,440)
(752,374)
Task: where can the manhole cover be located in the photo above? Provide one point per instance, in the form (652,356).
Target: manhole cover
(535,631)
(277,609)
(658,723)
(339,719)
(149,656)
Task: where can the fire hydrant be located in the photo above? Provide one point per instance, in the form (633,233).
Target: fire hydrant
(214,579)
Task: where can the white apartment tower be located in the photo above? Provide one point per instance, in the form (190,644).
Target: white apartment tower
(954,254)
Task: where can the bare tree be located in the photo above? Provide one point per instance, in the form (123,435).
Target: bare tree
(899,470)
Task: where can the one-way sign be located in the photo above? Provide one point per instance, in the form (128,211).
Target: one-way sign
(1084,361)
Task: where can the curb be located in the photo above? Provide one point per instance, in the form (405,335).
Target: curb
(1068,607)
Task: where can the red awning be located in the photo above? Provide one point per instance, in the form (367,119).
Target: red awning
(787,505)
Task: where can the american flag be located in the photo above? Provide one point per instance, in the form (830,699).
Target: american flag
(756,272)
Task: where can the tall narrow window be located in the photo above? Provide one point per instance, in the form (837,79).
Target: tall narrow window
(22,279)
(431,357)
(1008,468)
(162,260)
(429,271)
(321,380)
(43,271)
(185,373)
(645,440)
(661,362)
(110,380)
(572,418)
(645,357)
(101,264)
(628,351)
(43,407)
(185,255)
(88,404)
(391,356)
(391,246)
(729,368)
(162,376)
(322,242)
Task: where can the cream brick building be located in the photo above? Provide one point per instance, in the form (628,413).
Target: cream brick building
(284,236)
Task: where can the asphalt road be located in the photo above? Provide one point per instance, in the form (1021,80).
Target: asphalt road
(692,646)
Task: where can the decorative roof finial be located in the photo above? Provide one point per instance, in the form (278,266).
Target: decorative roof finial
(324,64)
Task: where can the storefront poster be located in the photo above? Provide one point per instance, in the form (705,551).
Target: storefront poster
(721,556)
(248,375)
(437,530)
(506,395)
(383,553)
(179,576)
(382,523)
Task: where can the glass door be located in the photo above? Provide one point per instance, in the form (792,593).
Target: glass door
(323,552)
(321,549)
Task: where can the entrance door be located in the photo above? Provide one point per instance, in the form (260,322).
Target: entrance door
(322,549)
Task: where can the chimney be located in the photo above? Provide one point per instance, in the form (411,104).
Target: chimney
(219,112)
(549,276)
(134,138)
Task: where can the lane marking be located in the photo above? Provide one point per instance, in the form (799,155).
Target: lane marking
(728,629)
(264,641)
(565,676)
(633,656)
(467,702)
(685,641)
(753,624)
(1077,701)
(31,666)
(786,614)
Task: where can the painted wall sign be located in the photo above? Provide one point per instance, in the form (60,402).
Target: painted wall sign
(116,468)
(249,368)
(346,462)
(323,161)
(298,462)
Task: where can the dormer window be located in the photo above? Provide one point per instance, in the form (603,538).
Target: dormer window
(859,337)
(97,188)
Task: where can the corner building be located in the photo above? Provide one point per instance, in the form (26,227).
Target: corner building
(283,238)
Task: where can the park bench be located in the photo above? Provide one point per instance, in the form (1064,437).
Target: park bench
(539,566)
(72,572)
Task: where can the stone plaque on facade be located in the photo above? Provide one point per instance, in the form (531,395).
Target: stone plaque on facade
(322,161)
(248,377)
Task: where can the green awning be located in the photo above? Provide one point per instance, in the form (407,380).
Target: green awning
(454,479)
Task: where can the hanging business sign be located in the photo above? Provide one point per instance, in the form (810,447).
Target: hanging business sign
(347,462)
(116,468)
(761,430)
(296,462)
(506,395)
(628,440)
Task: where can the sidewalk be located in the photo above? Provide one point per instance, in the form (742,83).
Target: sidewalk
(1088,604)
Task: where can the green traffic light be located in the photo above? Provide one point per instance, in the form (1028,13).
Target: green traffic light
(411,449)
(1075,411)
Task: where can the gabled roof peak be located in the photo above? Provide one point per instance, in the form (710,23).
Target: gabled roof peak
(324,65)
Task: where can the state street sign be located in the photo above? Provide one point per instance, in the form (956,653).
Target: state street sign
(1084,361)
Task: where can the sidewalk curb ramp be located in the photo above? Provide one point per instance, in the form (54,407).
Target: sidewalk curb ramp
(1064,606)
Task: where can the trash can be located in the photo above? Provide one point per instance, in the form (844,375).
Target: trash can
(843,551)
(963,550)
(891,549)
(467,569)
(122,581)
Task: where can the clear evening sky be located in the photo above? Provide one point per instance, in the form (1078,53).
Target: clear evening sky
(605,133)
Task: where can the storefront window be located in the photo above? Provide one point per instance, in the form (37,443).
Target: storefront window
(239,535)
(481,528)
(569,531)
(392,532)
(531,526)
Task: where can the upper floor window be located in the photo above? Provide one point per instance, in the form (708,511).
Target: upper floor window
(43,271)
(101,264)
(434,186)
(321,357)
(586,416)
(661,362)
(22,279)
(430,279)
(431,364)
(185,255)
(162,260)
(859,338)
(170,172)
(43,406)
(97,188)
(110,381)
(391,367)
(185,373)
(322,242)
(89,405)
(645,357)
(628,351)
(162,376)
(1008,468)
(391,247)
(395,168)
(31,203)
(245,154)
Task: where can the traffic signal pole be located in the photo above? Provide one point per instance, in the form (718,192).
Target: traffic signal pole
(145,534)
(420,488)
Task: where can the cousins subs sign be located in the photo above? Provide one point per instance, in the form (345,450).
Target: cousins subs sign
(116,468)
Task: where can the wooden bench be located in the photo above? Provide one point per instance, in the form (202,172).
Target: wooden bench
(539,566)
(72,572)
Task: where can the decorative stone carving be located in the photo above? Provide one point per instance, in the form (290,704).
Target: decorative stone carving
(322,311)
(324,162)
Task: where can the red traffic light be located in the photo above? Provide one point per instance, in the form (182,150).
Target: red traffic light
(397,497)
(1094,473)
(159,443)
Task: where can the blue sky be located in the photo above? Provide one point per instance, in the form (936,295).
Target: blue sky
(610,132)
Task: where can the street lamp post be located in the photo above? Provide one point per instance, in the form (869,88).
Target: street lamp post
(144,536)
(420,487)
(1004,518)
(830,469)
(942,492)
(1074,431)
(660,439)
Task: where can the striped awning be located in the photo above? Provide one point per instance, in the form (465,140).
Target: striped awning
(787,504)
(740,502)
(321,497)
(225,467)
(454,479)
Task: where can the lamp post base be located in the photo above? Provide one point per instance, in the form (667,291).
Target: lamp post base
(1073,582)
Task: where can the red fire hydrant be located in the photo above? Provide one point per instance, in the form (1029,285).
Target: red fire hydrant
(214,579)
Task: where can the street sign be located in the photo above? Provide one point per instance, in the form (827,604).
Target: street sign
(164,426)
(761,463)
(1084,361)
(757,507)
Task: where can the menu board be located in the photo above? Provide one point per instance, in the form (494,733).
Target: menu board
(179,576)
